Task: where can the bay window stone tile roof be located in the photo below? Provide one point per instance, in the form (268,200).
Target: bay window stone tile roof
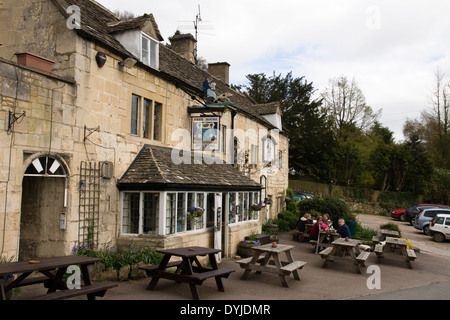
(155,169)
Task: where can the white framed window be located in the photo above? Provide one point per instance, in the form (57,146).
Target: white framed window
(146,118)
(140,213)
(240,206)
(149,51)
(135,112)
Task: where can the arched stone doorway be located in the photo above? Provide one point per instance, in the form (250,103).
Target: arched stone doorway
(44,199)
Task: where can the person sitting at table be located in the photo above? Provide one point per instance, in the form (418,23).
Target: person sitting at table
(306,219)
(315,229)
(344,230)
(326,219)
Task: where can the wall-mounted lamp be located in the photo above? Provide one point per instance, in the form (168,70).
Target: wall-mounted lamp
(128,63)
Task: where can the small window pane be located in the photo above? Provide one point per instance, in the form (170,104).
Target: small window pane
(170,213)
(153,54)
(134,114)
(151,213)
(232,208)
(130,219)
(147,118)
(157,118)
(145,50)
(181,212)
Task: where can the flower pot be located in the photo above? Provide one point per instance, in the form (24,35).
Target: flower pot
(262,238)
(245,250)
(35,61)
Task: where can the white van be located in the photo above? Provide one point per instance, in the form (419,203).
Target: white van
(440,228)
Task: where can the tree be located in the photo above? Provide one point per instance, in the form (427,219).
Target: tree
(345,103)
(310,137)
(124,15)
(432,129)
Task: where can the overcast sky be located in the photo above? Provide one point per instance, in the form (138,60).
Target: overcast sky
(392,48)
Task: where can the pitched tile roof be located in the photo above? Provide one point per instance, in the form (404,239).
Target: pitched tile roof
(98,25)
(154,169)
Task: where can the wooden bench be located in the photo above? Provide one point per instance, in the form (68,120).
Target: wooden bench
(301,236)
(376,239)
(326,252)
(411,254)
(97,289)
(287,269)
(150,269)
(244,262)
(378,249)
(362,257)
(202,276)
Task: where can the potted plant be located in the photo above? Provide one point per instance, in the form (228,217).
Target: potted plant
(195,212)
(6,281)
(245,246)
(258,207)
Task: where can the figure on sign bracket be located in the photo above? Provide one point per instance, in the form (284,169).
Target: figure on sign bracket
(208,89)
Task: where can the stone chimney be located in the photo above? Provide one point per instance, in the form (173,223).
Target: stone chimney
(184,44)
(220,70)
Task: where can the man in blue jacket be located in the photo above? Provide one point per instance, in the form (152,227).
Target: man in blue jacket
(344,230)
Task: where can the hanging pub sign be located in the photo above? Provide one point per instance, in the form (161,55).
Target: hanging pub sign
(205,133)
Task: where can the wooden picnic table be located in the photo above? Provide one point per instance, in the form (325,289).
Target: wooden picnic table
(266,258)
(188,269)
(303,236)
(385,233)
(52,272)
(395,248)
(325,238)
(345,250)
(388,233)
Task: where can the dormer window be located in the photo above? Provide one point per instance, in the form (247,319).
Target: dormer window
(149,51)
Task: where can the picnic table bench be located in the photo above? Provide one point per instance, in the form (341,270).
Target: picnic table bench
(53,270)
(345,250)
(189,269)
(324,239)
(303,236)
(266,259)
(385,233)
(395,248)
(93,290)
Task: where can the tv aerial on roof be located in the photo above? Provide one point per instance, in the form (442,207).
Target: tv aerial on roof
(198,19)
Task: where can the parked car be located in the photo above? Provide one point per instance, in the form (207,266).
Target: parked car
(398,213)
(440,228)
(426,216)
(413,211)
(302,195)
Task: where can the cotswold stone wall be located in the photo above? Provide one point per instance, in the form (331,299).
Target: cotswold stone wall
(82,113)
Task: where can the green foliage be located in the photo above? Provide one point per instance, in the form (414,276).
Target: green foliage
(389,200)
(310,134)
(364,234)
(391,226)
(335,207)
(115,259)
(437,189)
(286,220)
(290,206)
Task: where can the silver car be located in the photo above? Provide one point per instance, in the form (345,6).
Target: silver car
(426,216)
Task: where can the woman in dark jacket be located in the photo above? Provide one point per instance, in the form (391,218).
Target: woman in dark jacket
(306,219)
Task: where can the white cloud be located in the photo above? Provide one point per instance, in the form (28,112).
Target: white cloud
(392,48)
